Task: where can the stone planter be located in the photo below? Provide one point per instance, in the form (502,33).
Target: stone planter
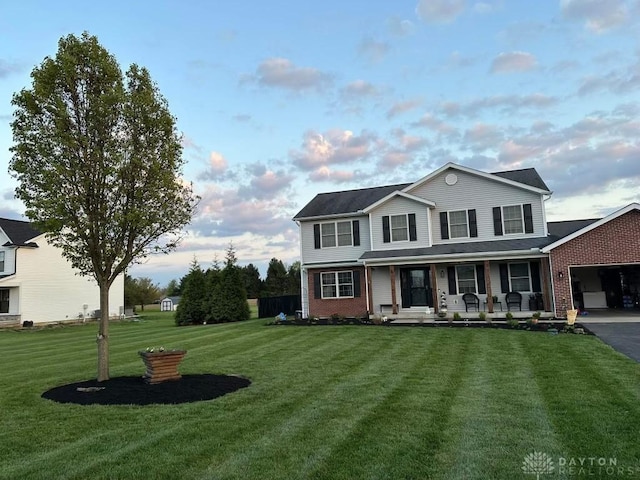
(162,366)
(571,316)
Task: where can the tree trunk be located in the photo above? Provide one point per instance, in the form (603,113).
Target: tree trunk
(103,333)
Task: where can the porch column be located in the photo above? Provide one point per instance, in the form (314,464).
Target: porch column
(487,285)
(434,290)
(546,284)
(369,291)
(394,301)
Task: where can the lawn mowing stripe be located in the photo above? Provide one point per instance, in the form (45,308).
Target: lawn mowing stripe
(493,403)
(338,392)
(386,443)
(595,418)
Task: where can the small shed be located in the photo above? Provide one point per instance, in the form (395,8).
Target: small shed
(169,304)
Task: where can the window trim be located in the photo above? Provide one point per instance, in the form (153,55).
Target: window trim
(475,278)
(335,234)
(2,260)
(466,223)
(528,277)
(504,230)
(406,228)
(337,285)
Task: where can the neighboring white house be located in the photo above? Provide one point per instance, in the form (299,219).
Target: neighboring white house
(38,284)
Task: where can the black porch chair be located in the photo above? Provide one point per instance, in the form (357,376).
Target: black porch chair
(471,300)
(515,299)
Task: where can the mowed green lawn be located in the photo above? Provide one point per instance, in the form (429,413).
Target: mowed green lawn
(328,402)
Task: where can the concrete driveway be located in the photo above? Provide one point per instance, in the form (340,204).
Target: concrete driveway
(623,337)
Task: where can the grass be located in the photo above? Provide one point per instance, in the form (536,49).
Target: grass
(343,402)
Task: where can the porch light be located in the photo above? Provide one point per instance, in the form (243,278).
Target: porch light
(441,273)
(560,274)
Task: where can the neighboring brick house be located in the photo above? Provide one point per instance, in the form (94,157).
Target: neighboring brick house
(596,263)
(38,284)
(397,250)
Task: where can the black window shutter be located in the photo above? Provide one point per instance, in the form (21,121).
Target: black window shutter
(473,225)
(317,286)
(444,226)
(356,233)
(497,221)
(316,235)
(528,218)
(451,273)
(504,277)
(482,288)
(386,232)
(535,276)
(413,234)
(356,283)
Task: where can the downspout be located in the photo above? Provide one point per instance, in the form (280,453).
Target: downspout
(553,286)
(304,290)
(366,284)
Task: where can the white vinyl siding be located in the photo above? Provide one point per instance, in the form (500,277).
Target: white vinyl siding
(458,224)
(337,284)
(399,207)
(482,194)
(512,219)
(399,228)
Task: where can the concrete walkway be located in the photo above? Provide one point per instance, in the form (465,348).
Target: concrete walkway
(623,337)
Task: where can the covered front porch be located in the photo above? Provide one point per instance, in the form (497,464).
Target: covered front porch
(429,291)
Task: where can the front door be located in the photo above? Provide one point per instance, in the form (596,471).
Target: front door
(416,287)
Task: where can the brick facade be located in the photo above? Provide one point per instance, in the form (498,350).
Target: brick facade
(615,242)
(348,307)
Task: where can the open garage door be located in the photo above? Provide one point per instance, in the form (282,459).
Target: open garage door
(599,287)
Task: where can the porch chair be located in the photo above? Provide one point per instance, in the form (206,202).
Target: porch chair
(471,300)
(515,299)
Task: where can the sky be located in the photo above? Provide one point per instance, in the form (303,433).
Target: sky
(280,100)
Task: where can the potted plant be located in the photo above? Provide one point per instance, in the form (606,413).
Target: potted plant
(161,364)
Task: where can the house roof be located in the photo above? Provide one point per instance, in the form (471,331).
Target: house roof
(527,176)
(497,246)
(345,202)
(591,226)
(18,231)
(353,202)
(558,230)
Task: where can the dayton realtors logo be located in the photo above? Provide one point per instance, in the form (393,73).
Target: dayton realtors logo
(539,463)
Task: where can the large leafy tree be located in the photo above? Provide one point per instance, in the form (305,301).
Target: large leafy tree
(98,160)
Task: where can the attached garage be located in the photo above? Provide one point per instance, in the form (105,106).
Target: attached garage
(598,265)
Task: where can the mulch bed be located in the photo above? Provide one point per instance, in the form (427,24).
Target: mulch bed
(134,390)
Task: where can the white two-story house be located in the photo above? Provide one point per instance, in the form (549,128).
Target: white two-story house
(37,284)
(400,249)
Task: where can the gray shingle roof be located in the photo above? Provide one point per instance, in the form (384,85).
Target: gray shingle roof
(349,201)
(527,176)
(18,231)
(461,248)
(559,230)
(352,201)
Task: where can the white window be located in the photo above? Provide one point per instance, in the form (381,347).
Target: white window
(337,284)
(458,226)
(345,237)
(399,228)
(338,233)
(466,278)
(512,219)
(4,301)
(519,277)
(1,261)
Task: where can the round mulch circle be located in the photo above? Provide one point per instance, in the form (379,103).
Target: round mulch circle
(134,390)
